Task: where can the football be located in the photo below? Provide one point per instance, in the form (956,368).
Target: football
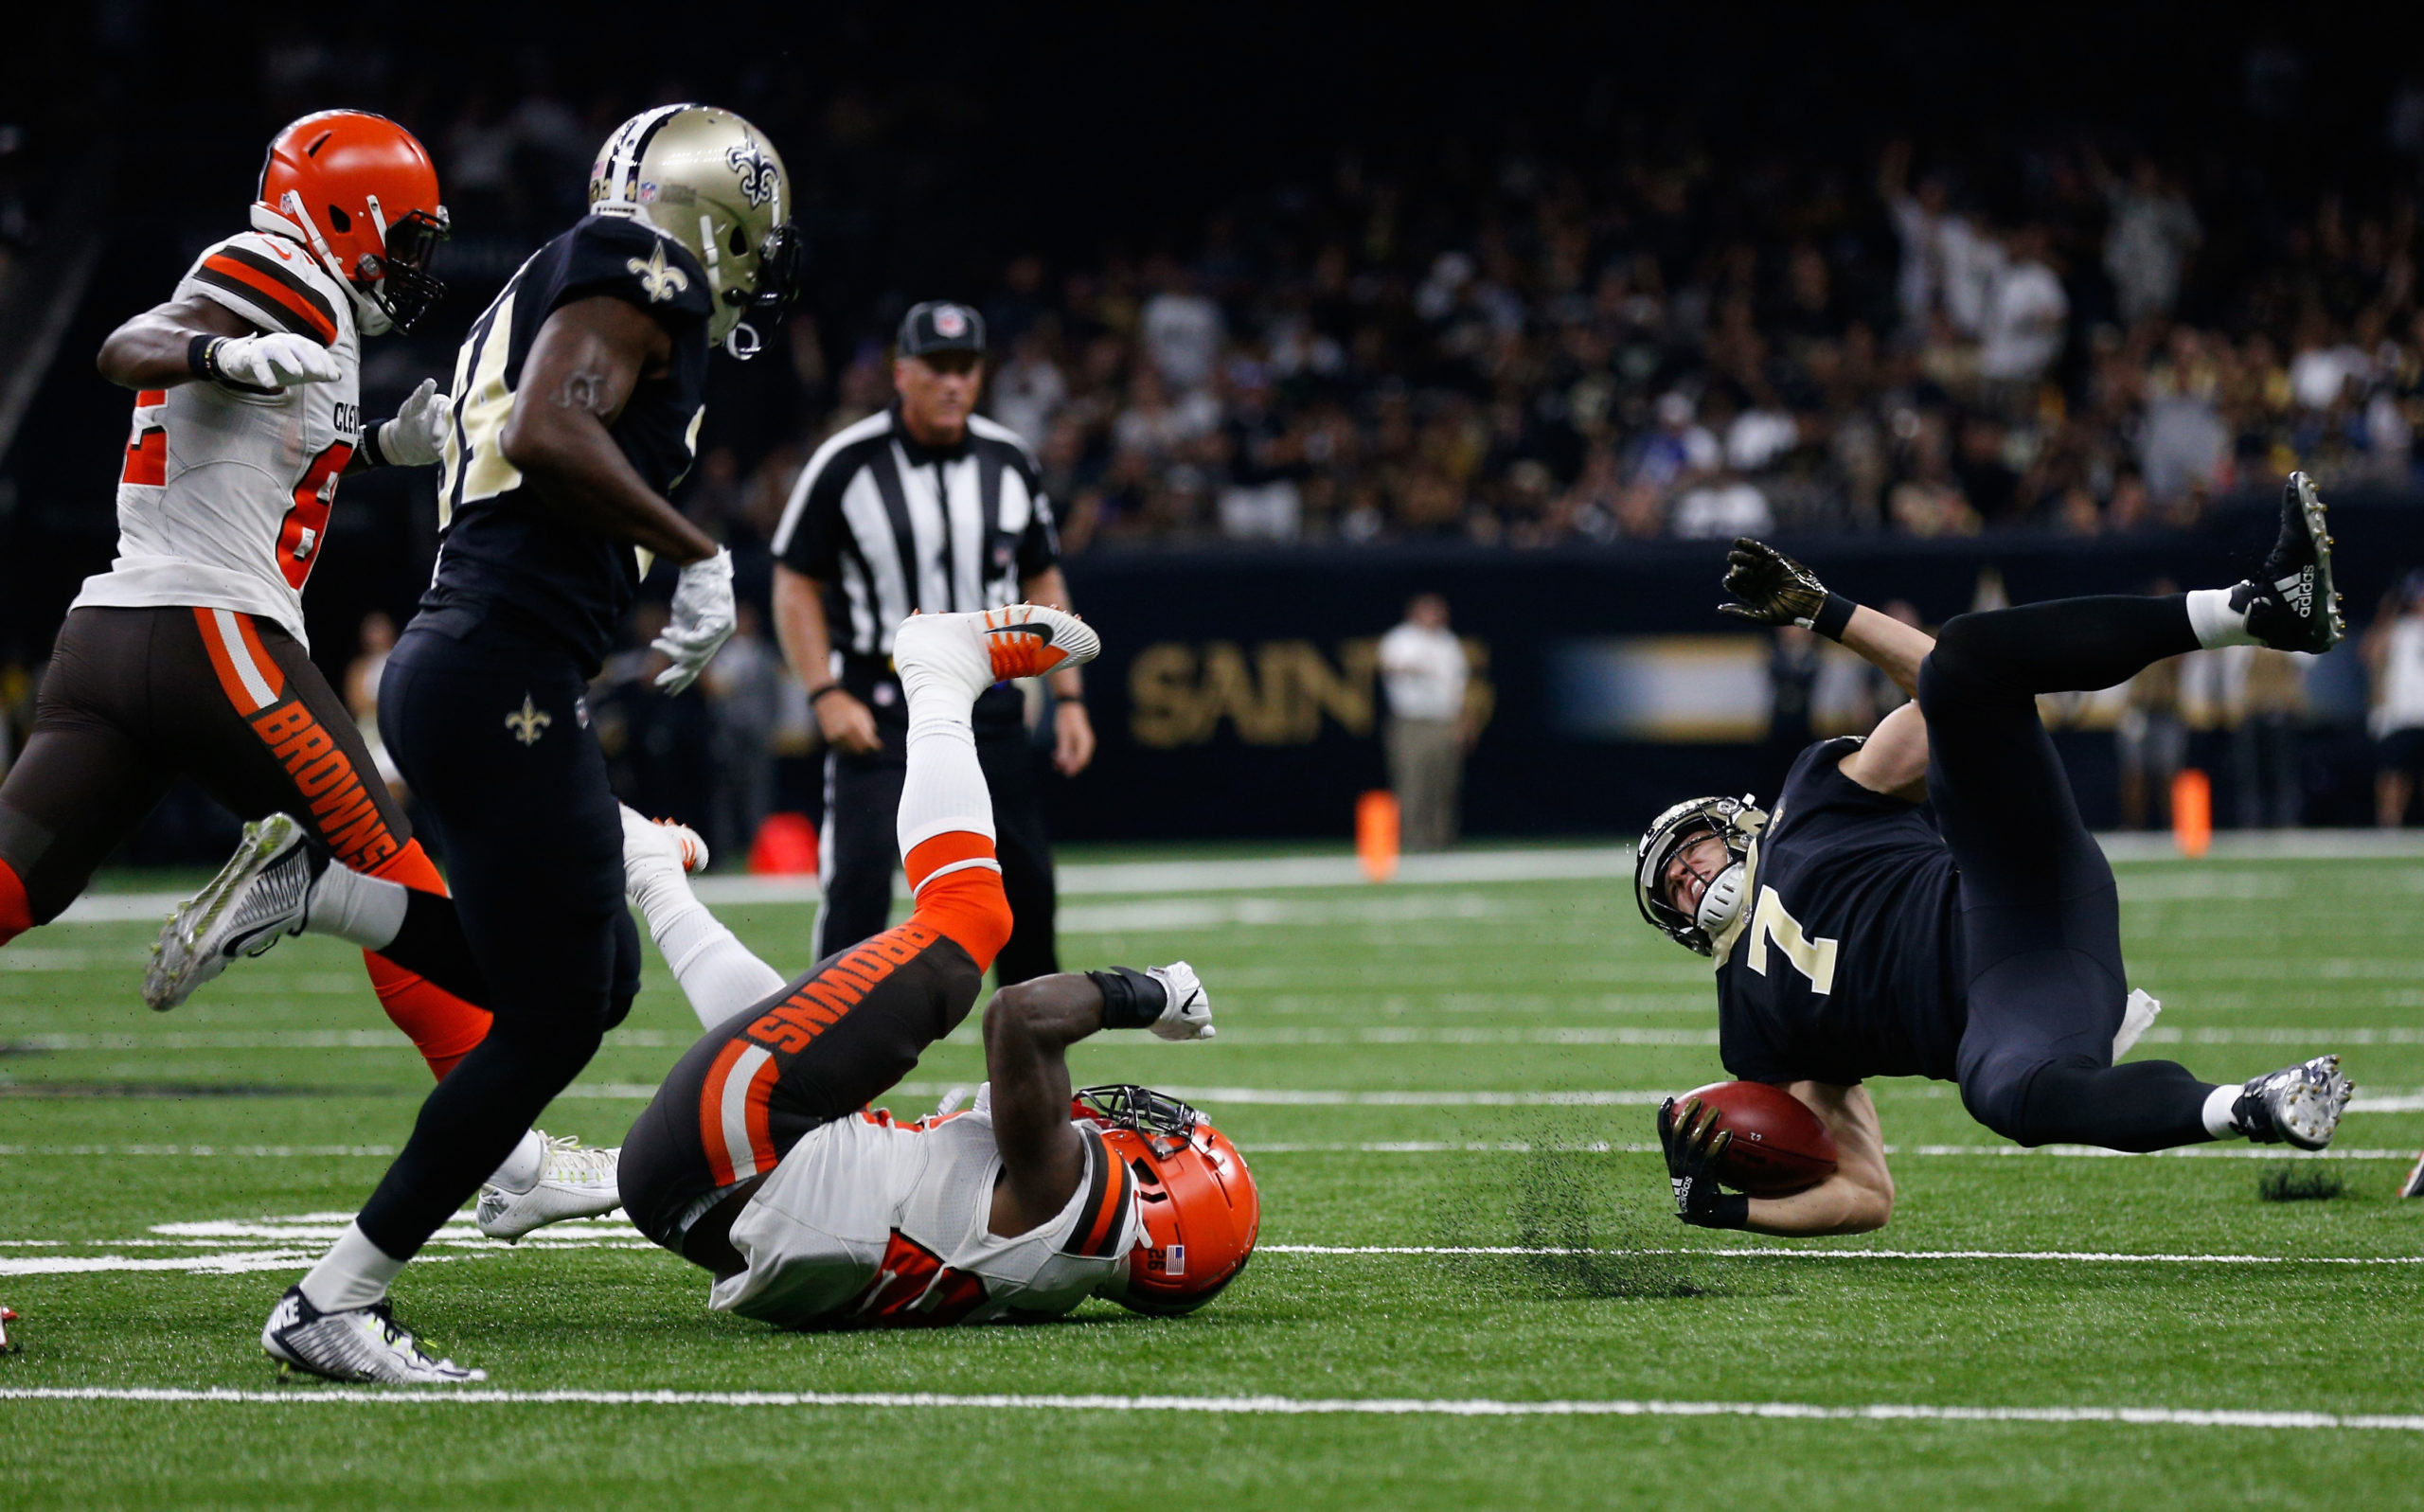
(1780,1146)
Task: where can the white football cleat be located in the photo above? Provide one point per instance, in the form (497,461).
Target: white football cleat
(1187,1014)
(980,647)
(574,1182)
(258,899)
(2414,1186)
(2298,1105)
(360,1346)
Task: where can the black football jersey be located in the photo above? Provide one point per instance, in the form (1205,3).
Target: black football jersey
(503,546)
(1848,964)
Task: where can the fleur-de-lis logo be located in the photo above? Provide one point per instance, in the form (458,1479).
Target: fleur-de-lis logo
(759,180)
(529,721)
(659,280)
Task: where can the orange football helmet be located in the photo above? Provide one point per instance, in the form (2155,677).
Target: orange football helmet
(1202,1212)
(360,192)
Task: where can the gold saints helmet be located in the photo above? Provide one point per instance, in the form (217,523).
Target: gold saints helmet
(710,181)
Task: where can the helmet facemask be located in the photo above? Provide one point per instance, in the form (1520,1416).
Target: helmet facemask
(398,281)
(1735,822)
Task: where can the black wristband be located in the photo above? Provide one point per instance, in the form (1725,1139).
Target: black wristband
(1832,617)
(1727,1210)
(817,693)
(198,358)
(1131,999)
(368,451)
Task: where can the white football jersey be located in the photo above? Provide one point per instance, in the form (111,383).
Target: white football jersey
(224,502)
(873,1223)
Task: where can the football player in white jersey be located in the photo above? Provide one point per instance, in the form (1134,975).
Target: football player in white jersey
(758,1162)
(187,657)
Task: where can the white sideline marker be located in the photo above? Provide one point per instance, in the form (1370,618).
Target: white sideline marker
(1281,1406)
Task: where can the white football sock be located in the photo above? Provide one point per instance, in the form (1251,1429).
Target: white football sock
(719,974)
(367,911)
(944,667)
(2214,622)
(523,1168)
(354,1273)
(2219,1103)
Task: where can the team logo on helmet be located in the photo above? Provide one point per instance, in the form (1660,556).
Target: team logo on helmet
(662,282)
(761,181)
(951,322)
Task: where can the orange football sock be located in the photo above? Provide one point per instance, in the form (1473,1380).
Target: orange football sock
(958,887)
(16,914)
(441,1026)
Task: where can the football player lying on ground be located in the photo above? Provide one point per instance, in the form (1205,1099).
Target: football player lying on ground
(757,1161)
(1855,938)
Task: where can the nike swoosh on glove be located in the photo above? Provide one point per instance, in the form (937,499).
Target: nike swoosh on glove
(1186,1011)
(703,617)
(274,361)
(415,437)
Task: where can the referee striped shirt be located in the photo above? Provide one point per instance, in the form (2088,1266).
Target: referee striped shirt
(890,526)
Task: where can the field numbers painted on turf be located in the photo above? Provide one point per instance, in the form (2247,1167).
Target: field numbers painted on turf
(1815,959)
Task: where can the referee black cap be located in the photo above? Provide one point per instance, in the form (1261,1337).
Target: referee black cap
(942,325)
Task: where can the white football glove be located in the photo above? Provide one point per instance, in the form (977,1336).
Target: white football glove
(703,621)
(274,362)
(1188,1015)
(412,439)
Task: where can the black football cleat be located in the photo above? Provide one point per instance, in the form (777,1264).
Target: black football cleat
(2292,606)
(2298,1105)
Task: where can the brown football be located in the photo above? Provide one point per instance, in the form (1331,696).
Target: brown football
(1780,1146)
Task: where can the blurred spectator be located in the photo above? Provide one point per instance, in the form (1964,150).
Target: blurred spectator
(2268,706)
(1182,329)
(2151,740)
(2025,313)
(2394,651)
(1423,669)
(1029,390)
(2151,232)
(361,686)
(744,691)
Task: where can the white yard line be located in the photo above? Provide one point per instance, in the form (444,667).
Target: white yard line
(1766,1253)
(1259,1406)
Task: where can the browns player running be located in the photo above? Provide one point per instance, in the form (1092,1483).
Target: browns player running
(1856,936)
(187,657)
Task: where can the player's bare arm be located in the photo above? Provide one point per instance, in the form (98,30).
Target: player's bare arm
(1073,733)
(808,646)
(1771,588)
(156,349)
(1028,1029)
(588,356)
(1858,1197)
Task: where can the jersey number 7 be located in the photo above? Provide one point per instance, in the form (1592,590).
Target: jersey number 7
(1773,925)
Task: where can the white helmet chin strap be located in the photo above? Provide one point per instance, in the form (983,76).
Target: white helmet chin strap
(1721,902)
(296,222)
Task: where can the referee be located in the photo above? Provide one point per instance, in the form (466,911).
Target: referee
(925,507)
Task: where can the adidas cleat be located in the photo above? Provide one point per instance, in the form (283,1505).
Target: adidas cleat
(2298,1105)
(359,1345)
(574,1182)
(1028,640)
(258,899)
(2292,606)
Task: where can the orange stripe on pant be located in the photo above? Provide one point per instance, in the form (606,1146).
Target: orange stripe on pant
(734,1127)
(965,906)
(441,1026)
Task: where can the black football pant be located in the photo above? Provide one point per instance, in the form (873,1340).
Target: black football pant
(493,732)
(2039,914)
(861,852)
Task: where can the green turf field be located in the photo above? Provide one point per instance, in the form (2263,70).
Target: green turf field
(1433,1070)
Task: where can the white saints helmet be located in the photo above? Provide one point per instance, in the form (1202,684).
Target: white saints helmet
(1737,822)
(707,179)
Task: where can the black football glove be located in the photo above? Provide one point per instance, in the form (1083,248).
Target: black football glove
(1693,1142)
(1773,588)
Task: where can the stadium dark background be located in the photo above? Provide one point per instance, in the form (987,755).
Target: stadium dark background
(930,146)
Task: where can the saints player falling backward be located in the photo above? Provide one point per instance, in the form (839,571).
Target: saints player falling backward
(576,402)
(1855,938)
(187,657)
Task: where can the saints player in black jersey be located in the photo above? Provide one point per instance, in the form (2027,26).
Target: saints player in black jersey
(1858,935)
(577,402)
